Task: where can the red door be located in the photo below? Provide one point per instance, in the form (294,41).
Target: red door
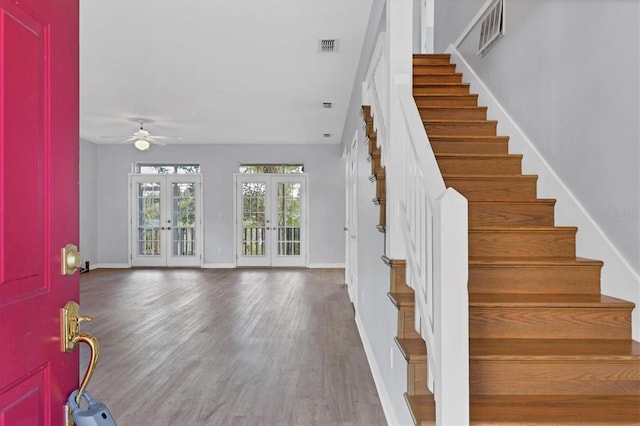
(38,205)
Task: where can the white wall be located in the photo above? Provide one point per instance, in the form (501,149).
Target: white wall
(111,165)
(376,316)
(377,24)
(564,83)
(88,202)
(568,72)
(451,19)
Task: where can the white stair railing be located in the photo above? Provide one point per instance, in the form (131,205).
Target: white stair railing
(434,230)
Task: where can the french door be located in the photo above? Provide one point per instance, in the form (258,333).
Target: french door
(271,220)
(166,220)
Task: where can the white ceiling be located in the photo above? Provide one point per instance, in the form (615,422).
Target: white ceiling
(218,71)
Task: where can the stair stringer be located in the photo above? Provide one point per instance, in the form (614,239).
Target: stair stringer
(618,277)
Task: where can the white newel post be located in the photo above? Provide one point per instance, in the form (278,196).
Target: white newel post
(451,309)
(399,56)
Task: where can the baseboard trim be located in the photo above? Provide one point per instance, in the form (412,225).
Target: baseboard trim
(385,400)
(216,266)
(219,266)
(109,266)
(326,265)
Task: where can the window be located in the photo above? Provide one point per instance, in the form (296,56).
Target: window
(271,168)
(167,169)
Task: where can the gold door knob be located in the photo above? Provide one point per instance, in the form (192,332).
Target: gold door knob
(71,259)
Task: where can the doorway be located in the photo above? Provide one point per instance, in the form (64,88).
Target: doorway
(166,225)
(271,219)
(351,228)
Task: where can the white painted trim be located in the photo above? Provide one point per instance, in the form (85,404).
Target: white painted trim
(326,265)
(218,265)
(472,23)
(385,400)
(618,277)
(110,266)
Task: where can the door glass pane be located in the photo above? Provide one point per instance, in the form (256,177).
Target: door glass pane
(253,218)
(183,219)
(148,222)
(289,219)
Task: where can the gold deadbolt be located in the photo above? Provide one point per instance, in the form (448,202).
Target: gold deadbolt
(71,259)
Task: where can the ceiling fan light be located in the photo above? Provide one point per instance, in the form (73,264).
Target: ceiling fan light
(142,144)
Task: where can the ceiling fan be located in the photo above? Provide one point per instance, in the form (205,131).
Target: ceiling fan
(142,138)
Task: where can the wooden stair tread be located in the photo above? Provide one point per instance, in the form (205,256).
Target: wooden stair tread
(554,349)
(510,229)
(477,300)
(425,73)
(378,175)
(467,137)
(431,56)
(413,349)
(442,68)
(393,262)
(489,177)
(455,121)
(442,84)
(506,202)
(434,65)
(402,300)
(555,410)
(445,95)
(422,408)
(565,262)
(476,155)
(466,107)
(443,144)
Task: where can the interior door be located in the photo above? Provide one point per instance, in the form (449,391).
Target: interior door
(38,205)
(351,229)
(166,218)
(271,218)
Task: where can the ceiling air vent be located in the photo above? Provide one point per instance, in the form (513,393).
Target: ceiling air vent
(327,105)
(492,26)
(329,45)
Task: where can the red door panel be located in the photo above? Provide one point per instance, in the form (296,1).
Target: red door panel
(38,205)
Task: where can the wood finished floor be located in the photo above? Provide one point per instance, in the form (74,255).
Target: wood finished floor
(227,347)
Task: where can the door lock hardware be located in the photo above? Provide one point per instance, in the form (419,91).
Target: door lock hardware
(70,336)
(71,259)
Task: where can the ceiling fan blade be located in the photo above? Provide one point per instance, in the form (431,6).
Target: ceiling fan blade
(154,141)
(114,137)
(129,139)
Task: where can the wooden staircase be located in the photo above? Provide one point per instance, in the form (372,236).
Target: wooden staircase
(546,347)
